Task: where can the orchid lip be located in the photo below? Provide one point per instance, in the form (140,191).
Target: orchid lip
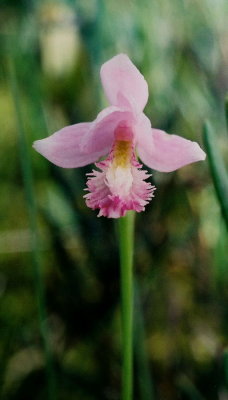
(121,184)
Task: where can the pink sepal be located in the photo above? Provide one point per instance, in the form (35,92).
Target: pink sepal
(166,153)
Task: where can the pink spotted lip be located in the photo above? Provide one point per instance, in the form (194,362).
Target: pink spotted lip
(84,143)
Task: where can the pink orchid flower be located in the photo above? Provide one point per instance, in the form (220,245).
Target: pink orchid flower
(119,131)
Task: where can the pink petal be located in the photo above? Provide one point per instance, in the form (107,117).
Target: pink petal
(63,147)
(123,83)
(167,153)
(101,135)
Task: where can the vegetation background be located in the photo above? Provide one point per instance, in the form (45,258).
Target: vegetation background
(59,268)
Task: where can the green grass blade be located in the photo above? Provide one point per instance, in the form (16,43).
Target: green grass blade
(218,170)
(225,359)
(226,110)
(32,216)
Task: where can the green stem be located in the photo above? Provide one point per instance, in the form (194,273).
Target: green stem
(126,235)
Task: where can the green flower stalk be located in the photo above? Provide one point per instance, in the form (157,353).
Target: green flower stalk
(126,244)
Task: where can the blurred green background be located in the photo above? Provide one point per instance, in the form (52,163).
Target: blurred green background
(59,268)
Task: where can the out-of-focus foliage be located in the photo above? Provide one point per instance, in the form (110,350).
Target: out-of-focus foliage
(181,264)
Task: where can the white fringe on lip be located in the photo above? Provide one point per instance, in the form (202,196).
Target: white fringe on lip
(114,191)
